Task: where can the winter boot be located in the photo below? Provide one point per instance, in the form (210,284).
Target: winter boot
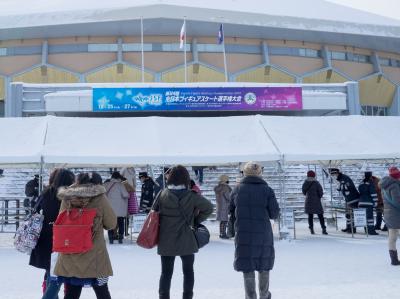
(324,232)
(250,285)
(385,229)
(372,232)
(222,230)
(187,295)
(312,231)
(394,258)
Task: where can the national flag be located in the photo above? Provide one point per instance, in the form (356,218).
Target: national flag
(221,34)
(182,35)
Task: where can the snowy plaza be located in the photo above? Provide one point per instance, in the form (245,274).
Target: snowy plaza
(333,266)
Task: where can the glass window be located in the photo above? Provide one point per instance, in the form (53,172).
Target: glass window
(338,55)
(102,47)
(3,51)
(374,110)
(211,48)
(361,58)
(384,61)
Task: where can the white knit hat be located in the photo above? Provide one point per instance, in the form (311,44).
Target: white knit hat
(252,169)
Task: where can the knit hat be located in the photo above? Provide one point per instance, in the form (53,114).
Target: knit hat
(310,174)
(394,172)
(252,169)
(223,178)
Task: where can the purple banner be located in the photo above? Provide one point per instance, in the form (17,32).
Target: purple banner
(198,99)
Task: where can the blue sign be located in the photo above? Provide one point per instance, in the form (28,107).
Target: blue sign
(197,99)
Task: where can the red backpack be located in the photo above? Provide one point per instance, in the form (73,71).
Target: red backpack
(73,231)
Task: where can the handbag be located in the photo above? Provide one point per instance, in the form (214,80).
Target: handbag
(148,236)
(200,231)
(73,231)
(133,207)
(27,234)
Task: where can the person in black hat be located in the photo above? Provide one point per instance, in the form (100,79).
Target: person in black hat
(161,181)
(147,197)
(32,193)
(368,200)
(350,194)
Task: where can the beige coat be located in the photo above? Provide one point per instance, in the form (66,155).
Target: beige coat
(96,262)
(118,196)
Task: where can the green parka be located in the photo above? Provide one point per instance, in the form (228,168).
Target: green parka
(176,238)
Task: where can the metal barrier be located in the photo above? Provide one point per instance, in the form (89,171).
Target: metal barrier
(12,211)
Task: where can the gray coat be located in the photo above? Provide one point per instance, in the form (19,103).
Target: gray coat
(253,203)
(117,197)
(176,238)
(222,197)
(312,189)
(391,198)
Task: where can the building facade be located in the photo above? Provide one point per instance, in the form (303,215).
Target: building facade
(261,47)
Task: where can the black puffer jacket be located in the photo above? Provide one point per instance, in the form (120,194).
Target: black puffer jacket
(254,204)
(312,189)
(50,206)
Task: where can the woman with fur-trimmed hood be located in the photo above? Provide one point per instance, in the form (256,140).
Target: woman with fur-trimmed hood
(223,199)
(92,267)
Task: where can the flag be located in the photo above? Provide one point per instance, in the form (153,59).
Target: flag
(182,35)
(221,34)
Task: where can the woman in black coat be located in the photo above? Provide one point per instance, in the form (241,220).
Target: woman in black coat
(253,203)
(312,189)
(49,206)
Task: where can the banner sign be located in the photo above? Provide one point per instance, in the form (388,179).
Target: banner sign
(197,99)
(138,222)
(288,219)
(360,217)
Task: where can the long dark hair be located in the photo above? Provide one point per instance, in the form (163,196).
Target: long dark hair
(59,177)
(89,178)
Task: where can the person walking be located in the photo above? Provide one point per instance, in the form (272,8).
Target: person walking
(223,199)
(118,196)
(176,238)
(147,194)
(253,202)
(93,267)
(391,195)
(161,181)
(49,205)
(379,204)
(368,200)
(313,191)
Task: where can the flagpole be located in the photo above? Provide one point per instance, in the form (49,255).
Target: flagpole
(184,48)
(141,36)
(223,50)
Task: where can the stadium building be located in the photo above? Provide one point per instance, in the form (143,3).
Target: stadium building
(346,61)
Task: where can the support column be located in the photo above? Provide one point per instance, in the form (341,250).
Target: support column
(394,110)
(265,53)
(353,98)
(376,63)
(326,57)
(195,51)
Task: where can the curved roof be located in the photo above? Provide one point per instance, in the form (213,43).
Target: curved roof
(247,18)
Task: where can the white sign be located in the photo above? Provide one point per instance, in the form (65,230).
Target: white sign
(360,217)
(288,219)
(138,221)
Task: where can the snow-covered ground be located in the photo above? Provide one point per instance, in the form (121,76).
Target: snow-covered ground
(312,267)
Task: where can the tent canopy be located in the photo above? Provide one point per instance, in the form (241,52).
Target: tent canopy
(156,140)
(21,140)
(301,139)
(196,141)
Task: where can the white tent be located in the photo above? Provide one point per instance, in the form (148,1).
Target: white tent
(21,140)
(301,139)
(156,140)
(196,141)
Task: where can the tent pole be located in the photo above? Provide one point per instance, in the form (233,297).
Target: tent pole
(41,176)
